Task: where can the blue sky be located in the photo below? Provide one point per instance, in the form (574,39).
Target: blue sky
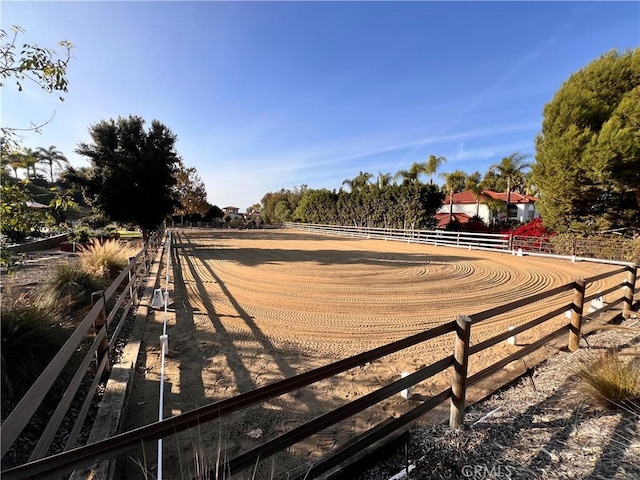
(271,95)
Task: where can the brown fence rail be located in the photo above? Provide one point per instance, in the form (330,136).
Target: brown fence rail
(103,323)
(56,465)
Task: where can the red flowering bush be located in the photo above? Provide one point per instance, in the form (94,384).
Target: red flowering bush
(532,236)
(535,228)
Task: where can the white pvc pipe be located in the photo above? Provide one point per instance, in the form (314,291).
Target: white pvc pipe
(164,343)
(403,473)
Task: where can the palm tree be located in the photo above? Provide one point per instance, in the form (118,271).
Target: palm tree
(495,206)
(15,162)
(452,184)
(359,182)
(511,169)
(410,177)
(4,163)
(51,156)
(29,163)
(432,165)
(383,180)
(473,183)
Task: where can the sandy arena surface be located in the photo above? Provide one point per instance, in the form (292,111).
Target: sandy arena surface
(253,307)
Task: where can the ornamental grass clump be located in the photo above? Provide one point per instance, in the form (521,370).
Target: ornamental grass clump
(106,259)
(68,288)
(611,382)
(31,337)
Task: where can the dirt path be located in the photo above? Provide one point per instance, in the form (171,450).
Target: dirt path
(254,307)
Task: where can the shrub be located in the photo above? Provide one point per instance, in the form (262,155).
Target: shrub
(95,220)
(69,288)
(107,259)
(30,340)
(611,382)
(535,228)
(9,260)
(613,247)
(17,220)
(79,234)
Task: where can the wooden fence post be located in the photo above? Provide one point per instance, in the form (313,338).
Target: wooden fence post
(576,315)
(629,291)
(460,364)
(98,325)
(132,286)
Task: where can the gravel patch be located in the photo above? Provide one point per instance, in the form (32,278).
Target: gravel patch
(543,427)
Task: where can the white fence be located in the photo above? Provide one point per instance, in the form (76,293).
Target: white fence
(475,241)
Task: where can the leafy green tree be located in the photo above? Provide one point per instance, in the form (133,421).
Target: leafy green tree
(253,208)
(51,156)
(17,219)
(269,202)
(283,211)
(586,154)
(417,205)
(24,62)
(355,208)
(272,199)
(192,193)
(59,204)
(214,213)
(616,152)
(317,206)
(133,174)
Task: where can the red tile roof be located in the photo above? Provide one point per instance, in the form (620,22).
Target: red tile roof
(468,197)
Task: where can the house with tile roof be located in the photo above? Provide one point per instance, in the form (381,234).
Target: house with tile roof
(465,205)
(227,210)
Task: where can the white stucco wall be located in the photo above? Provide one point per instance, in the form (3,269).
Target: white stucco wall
(470,209)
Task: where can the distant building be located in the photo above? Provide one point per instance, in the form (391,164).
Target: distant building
(227,210)
(465,205)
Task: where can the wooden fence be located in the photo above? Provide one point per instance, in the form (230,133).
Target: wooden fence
(575,299)
(95,336)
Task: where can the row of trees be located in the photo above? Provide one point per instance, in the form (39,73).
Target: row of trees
(402,200)
(586,172)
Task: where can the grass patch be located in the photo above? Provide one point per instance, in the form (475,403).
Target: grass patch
(31,337)
(106,259)
(611,382)
(68,288)
(129,234)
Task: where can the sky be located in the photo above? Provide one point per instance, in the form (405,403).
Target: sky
(270,95)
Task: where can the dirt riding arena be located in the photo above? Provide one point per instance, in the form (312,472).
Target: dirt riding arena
(252,307)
